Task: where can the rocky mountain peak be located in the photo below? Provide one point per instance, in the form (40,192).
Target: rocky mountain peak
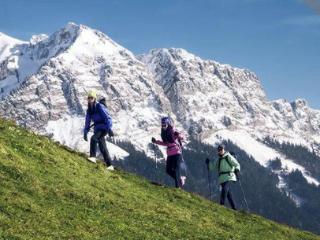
(44,87)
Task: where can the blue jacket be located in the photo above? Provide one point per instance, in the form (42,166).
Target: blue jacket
(100,117)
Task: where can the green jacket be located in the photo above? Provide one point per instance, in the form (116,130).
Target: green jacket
(228,164)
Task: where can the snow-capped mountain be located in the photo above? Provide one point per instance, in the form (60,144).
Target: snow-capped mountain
(208,96)
(215,102)
(43,86)
(55,73)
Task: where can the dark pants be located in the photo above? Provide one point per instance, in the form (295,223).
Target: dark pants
(172,169)
(98,138)
(226,193)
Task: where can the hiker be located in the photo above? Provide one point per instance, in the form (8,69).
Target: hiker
(97,113)
(173,141)
(228,169)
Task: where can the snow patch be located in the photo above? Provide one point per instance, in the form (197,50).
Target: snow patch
(7,44)
(38,38)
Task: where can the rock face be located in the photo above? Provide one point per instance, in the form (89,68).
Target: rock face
(66,65)
(44,81)
(207,96)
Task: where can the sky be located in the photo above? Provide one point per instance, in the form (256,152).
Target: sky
(279,40)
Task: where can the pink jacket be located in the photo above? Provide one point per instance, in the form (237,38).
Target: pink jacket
(172,148)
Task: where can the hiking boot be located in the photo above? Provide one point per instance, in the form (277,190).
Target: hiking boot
(92,159)
(183,180)
(110,168)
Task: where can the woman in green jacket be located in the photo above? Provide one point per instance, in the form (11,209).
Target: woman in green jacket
(228,168)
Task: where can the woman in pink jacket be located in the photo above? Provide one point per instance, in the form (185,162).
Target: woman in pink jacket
(172,140)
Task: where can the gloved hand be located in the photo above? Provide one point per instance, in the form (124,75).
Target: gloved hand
(111,134)
(207,161)
(153,140)
(237,173)
(85,137)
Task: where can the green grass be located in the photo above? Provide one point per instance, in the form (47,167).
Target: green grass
(50,192)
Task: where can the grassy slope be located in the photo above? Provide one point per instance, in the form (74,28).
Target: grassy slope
(49,192)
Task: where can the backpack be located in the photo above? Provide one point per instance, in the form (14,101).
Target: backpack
(177,134)
(103,101)
(228,161)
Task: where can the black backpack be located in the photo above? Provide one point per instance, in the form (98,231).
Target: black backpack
(103,101)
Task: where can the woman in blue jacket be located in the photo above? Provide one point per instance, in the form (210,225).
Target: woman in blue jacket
(102,122)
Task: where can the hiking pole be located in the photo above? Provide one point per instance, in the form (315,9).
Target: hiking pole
(155,155)
(183,169)
(244,196)
(156,182)
(209,179)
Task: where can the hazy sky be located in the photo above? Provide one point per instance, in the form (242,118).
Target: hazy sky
(277,39)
